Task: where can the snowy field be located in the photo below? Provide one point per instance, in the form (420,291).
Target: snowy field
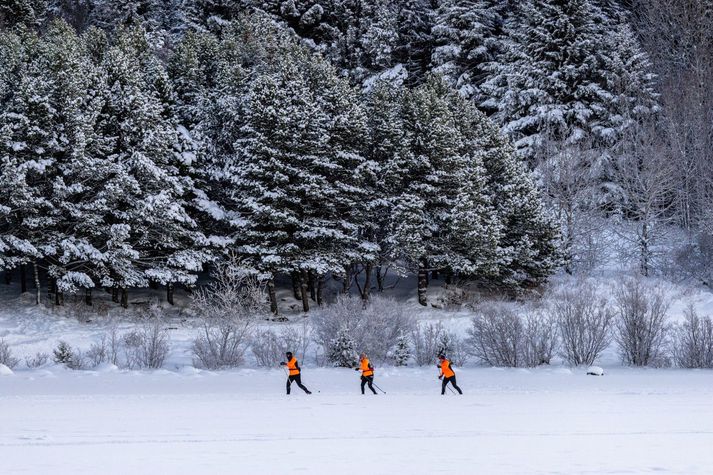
(550,421)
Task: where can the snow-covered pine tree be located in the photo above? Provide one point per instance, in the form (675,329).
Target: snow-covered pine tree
(553,78)
(342,350)
(466,36)
(402,350)
(413,50)
(527,252)
(28,13)
(386,148)
(443,218)
(296,182)
(151,237)
(29,143)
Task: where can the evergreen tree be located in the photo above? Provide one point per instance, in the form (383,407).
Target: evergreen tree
(402,350)
(28,13)
(342,350)
(554,82)
(466,38)
(444,218)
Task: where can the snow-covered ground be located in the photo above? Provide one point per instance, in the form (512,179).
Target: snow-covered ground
(180,420)
(508,421)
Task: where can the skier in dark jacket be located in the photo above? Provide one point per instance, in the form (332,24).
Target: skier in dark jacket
(447,374)
(293,368)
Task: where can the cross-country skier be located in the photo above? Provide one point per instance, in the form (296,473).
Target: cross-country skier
(367,373)
(447,374)
(294,372)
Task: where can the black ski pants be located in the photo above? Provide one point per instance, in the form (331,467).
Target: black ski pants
(451,380)
(367,380)
(298,380)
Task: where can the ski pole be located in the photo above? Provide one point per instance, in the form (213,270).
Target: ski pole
(451,389)
(377,387)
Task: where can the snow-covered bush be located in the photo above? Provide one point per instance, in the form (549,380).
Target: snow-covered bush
(539,339)
(426,339)
(496,336)
(228,307)
(584,321)
(374,326)
(692,344)
(6,357)
(454,297)
(641,327)
(39,359)
(147,346)
(401,353)
(452,346)
(342,350)
(66,355)
(108,349)
(269,347)
(63,354)
(97,353)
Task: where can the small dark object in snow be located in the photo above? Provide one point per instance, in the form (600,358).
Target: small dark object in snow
(595,371)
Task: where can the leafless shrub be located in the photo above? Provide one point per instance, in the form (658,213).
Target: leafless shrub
(452,346)
(496,336)
(693,341)
(426,339)
(374,326)
(39,359)
(584,321)
(228,307)
(6,357)
(145,347)
(641,328)
(269,347)
(98,353)
(454,297)
(540,339)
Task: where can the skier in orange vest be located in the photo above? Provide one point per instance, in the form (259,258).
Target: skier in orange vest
(447,374)
(367,373)
(294,372)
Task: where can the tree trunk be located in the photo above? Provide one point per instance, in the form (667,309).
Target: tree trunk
(115,294)
(422,282)
(304,291)
(367,281)
(295,276)
(644,243)
(273,296)
(23,279)
(311,286)
(88,297)
(434,274)
(8,277)
(124,297)
(321,281)
(449,276)
(36,272)
(58,296)
(379,279)
(347,282)
(169,293)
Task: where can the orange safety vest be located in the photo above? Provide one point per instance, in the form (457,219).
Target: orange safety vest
(446,370)
(365,369)
(292,366)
